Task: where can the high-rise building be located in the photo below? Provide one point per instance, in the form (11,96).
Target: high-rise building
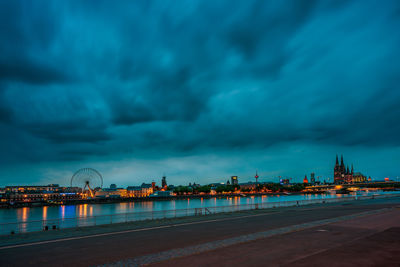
(313,178)
(234,180)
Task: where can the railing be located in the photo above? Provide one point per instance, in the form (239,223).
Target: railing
(75,222)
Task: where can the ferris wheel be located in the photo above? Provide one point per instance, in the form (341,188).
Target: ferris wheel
(87,179)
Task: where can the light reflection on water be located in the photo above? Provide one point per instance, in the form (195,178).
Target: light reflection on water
(71,211)
(45,212)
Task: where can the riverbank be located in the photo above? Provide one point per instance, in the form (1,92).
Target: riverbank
(279,236)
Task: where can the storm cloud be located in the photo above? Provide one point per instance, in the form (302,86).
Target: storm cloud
(94,82)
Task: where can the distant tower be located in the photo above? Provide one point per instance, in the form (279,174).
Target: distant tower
(313,178)
(337,172)
(342,167)
(164,182)
(352,170)
(234,180)
(305,180)
(256,177)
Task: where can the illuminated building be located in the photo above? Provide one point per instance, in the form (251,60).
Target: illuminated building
(34,188)
(305,180)
(343,174)
(39,193)
(234,180)
(358,177)
(17,197)
(147,189)
(144,190)
(284,181)
(112,192)
(134,191)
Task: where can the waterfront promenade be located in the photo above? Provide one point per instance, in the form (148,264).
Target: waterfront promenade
(363,233)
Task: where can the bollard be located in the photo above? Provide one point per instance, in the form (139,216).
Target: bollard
(46,228)
(54,227)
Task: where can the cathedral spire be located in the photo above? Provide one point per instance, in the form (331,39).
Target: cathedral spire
(352,169)
(342,167)
(337,160)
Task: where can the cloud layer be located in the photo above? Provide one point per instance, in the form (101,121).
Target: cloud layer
(95,81)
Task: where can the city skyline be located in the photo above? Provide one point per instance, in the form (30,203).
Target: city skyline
(198,90)
(338,171)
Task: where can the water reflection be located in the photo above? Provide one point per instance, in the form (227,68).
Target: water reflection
(44,216)
(62,209)
(22,214)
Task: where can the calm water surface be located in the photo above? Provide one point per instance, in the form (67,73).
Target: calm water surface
(71,211)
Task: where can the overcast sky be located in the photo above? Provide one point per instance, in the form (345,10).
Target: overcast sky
(198,90)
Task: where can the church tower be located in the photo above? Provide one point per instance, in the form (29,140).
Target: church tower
(342,167)
(337,174)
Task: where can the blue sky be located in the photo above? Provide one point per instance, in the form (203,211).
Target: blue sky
(198,90)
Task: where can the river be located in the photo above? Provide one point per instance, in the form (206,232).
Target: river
(86,210)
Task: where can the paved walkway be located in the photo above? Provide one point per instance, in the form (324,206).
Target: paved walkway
(372,240)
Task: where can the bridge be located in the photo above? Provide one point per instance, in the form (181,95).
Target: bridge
(390,184)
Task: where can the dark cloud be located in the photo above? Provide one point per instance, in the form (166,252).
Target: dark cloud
(5,115)
(27,32)
(167,97)
(262,33)
(25,70)
(67,132)
(104,80)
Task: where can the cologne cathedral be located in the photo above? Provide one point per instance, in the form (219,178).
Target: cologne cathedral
(343,174)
